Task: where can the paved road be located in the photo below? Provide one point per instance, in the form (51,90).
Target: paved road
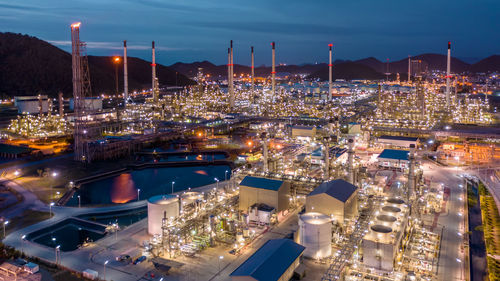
(451,260)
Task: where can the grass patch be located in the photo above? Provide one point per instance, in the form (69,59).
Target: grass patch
(491,229)
(27,218)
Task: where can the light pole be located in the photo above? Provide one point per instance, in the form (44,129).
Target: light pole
(138,193)
(23,238)
(217,180)
(56,249)
(50,209)
(220,259)
(105,263)
(79,202)
(225,175)
(4,224)
(173,187)
(54,175)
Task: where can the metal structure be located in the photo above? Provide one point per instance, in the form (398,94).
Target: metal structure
(81,90)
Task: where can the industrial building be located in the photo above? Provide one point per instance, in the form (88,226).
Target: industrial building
(385,235)
(315,233)
(303,132)
(337,199)
(396,141)
(160,207)
(89,103)
(395,159)
(277,259)
(32,104)
(273,193)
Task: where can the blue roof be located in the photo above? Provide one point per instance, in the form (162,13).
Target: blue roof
(261,183)
(270,261)
(394,154)
(398,138)
(338,189)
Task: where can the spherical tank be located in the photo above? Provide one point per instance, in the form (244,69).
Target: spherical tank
(157,206)
(315,231)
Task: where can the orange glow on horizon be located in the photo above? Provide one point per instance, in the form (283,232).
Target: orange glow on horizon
(76,25)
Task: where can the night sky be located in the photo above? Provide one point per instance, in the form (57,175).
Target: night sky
(195,30)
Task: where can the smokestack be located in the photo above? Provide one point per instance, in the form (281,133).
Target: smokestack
(253,73)
(409,69)
(231,74)
(153,66)
(61,104)
(40,104)
(448,66)
(326,143)
(350,161)
(273,71)
(379,94)
(411,173)
(125,73)
(330,93)
(265,152)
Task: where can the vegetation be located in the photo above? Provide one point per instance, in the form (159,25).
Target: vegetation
(491,228)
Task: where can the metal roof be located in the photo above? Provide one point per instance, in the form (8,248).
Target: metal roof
(394,154)
(262,183)
(270,261)
(338,189)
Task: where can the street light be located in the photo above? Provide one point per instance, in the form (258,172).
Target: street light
(217,180)
(105,263)
(220,258)
(225,175)
(138,193)
(173,187)
(4,224)
(23,238)
(50,209)
(54,175)
(56,249)
(79,202)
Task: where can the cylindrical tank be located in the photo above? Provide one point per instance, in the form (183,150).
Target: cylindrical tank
(315,233)
(157,205)
(190,197)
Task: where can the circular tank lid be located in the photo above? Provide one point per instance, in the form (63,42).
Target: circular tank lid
(395,200)
(162,199)
(315,218)
(391,209)
(386,218)
(381,228)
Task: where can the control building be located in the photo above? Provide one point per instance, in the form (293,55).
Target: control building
(337,199)
(277,259)
(394,159)
(273,193)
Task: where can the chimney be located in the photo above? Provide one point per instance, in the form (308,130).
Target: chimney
(448,66)
(350,161)
(40,104)
(61,105)
(409,69)
(330,73)
(273,71)
(231,75)
(252,74)
(125,74)
(154,82)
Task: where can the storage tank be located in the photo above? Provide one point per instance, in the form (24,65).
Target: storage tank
(157,205)
(315,233)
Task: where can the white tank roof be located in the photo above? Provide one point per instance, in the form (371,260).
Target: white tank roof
(162,199)
(315,218)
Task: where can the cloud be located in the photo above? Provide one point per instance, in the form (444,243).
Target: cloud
(112,45)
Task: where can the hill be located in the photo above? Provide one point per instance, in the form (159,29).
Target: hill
(489,64)
(29,66)
(347,71)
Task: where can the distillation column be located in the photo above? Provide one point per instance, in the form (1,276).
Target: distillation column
(265,152)
(411,173)
(350,161)
(326,144)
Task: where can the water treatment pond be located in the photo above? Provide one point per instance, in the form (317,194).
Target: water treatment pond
(145,183)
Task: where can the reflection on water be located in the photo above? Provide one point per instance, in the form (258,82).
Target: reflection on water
(124,188)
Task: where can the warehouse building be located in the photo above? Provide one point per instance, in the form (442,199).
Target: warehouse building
(277,260)
(303,132)
(337,199)
(395,141)
(394,159)
(31,104)
(273,193)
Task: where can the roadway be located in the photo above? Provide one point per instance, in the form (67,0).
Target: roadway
(451,264)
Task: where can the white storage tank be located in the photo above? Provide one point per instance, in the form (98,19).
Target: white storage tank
(157,205)
(315,233)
